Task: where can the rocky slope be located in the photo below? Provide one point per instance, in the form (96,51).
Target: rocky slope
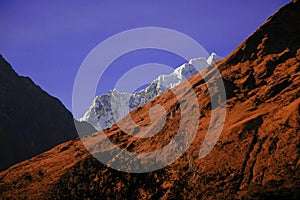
(31,121)
(109,108)
(256,156)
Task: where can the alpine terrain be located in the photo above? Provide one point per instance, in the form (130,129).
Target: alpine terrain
(255,157)
(109,108)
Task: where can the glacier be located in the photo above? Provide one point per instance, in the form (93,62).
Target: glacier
(109,108)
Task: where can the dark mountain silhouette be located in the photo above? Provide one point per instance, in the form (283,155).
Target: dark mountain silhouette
(31,121)
(256,156)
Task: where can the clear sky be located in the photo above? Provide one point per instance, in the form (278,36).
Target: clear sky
(48,40)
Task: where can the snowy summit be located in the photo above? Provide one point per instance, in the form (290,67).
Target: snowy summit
(107,109)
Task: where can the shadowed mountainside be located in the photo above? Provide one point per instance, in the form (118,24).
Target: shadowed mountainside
(31,121)
(256,156)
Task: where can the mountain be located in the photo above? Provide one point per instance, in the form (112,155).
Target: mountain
(31,121)
(256,156)
(109,108)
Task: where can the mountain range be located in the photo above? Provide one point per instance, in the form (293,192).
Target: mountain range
(109,108)
(256,156)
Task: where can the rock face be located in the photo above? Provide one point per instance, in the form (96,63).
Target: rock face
(31,121)
(109,108)
(256,156)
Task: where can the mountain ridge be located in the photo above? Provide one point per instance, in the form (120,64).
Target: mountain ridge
(256,156)
(109,108)
(25,108)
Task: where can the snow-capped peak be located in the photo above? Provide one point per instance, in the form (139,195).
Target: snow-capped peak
(107,109)
(213,58)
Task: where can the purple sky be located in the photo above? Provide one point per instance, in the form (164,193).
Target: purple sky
(48,41)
